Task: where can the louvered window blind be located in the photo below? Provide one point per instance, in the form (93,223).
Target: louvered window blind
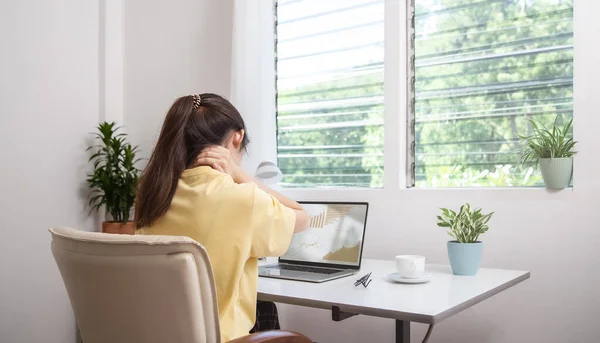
(482,68)
(330,92)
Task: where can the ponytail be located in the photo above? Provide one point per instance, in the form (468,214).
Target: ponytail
(168,161)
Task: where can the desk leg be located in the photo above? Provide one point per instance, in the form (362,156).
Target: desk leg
(402,331)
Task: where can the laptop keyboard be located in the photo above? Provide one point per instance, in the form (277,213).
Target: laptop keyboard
(306,269)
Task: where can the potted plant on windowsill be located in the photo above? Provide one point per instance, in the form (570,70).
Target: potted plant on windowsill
(554,151)
(465,227)
(114,178)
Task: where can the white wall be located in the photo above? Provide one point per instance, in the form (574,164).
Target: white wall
(554,235)
(49,100)
(172,48)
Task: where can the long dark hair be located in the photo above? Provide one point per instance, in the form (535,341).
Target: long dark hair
(188,128)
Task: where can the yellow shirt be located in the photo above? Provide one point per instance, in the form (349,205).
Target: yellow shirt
(236,223)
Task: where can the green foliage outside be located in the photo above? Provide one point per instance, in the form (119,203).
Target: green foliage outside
(483,70)
(317,162)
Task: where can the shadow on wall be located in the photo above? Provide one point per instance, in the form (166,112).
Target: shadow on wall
(84,192)
(472,328)
(317,325)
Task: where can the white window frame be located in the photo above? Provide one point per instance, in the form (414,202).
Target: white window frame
(397,159)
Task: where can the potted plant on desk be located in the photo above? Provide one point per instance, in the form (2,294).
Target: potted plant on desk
(465,227)
(114,178)
(554,151)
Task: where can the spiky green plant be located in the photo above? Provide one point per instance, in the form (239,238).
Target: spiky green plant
(115,176)
(466,225)
(547,143)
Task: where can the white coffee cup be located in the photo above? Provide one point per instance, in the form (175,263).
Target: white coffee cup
(410,266)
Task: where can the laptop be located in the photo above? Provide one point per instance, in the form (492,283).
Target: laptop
(330,248)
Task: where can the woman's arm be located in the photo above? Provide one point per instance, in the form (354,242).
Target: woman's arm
(301,216)
(219,158)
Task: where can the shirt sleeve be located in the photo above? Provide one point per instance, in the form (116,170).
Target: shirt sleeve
(272,225)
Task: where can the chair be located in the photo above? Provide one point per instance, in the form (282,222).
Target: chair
(143,289)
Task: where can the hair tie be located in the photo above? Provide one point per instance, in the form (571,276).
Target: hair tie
(197,101)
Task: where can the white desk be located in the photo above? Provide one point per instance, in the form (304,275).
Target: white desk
(430,303)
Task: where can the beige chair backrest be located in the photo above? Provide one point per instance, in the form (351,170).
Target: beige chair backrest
(138,289)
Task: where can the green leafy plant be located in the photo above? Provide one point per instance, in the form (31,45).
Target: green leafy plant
(115,177)
(548,143)
(466,225)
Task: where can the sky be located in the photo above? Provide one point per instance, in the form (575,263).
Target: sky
(296,37)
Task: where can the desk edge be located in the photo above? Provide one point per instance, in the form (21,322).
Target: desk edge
(476,300)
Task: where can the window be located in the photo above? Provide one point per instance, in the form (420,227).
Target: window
(481,69)
(330,92)
(478,70)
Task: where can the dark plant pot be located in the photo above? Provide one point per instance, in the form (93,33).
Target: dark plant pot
(465,257)
(119,228)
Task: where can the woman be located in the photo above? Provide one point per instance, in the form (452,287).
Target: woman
(193,186)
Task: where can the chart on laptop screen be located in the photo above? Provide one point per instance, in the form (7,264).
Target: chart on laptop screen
(334,234)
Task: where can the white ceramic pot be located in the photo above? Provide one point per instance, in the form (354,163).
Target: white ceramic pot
(557,172)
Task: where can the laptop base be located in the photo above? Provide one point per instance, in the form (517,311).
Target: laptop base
(273,271)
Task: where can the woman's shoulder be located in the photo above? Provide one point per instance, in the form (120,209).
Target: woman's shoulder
(227,190)
(218,187)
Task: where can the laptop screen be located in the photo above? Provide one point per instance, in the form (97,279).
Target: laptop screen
(334,235)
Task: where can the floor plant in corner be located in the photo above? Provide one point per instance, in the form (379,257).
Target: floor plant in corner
(114,178)
(465,227)
(553,148)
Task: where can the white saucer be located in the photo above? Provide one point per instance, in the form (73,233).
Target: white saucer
(399,278)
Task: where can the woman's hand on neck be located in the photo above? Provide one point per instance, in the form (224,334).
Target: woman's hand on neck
(219,158)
